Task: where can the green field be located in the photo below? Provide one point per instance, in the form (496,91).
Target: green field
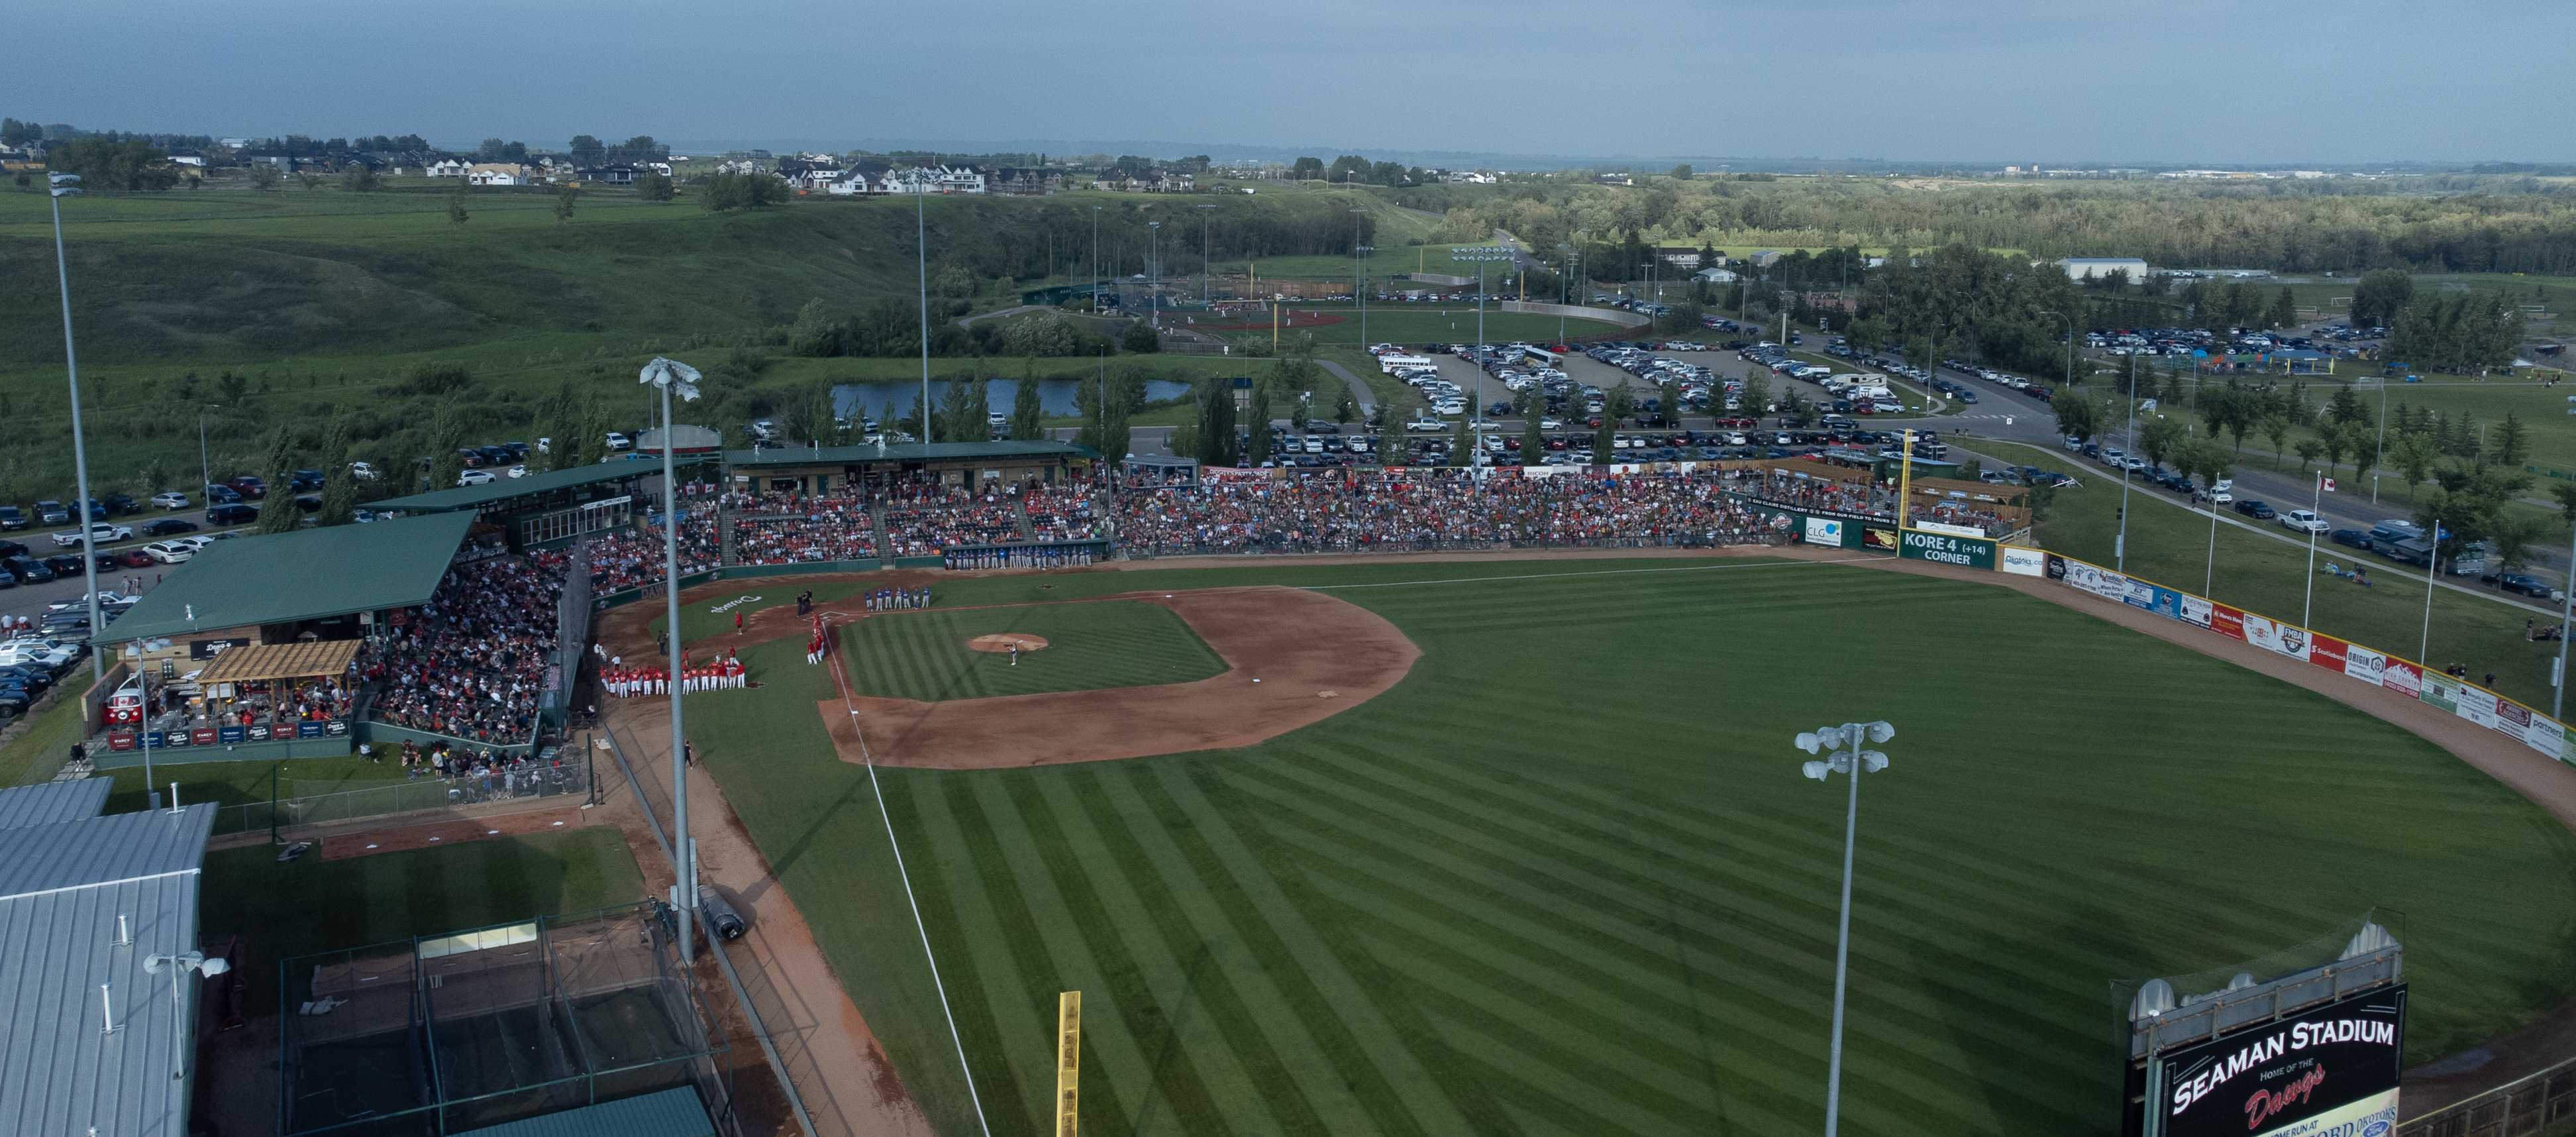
(1565,878)
(1427,323)
(310,904)
(923,655)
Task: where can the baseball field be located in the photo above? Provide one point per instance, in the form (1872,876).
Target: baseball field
(1564,876)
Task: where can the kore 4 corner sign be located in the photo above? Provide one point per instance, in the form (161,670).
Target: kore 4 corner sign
(2329,1072)
(1944,548)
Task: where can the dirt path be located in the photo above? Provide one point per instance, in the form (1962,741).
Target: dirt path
(839,1069)
(1293,658)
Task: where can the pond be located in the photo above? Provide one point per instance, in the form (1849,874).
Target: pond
(894,398)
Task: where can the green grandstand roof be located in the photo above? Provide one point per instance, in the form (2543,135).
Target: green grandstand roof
(503,489)
(305,575)
(670,1113)
(903,452)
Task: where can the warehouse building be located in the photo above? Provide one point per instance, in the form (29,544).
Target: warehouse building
(2086,268)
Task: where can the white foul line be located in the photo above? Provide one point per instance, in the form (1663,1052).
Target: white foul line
(843,683)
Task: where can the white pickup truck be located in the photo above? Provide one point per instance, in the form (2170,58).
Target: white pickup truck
(100,532)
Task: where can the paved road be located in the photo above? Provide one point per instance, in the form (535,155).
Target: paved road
(1360,390)
(31,599)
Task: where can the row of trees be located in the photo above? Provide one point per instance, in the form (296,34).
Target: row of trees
(2485,225)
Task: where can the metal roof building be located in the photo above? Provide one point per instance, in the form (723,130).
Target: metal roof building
(52,802)
(305,575)
(673,1112)
(500,490)
(97,1039)
(903,453)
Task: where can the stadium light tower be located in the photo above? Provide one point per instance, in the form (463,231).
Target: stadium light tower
(1841,747)
(921,270)
(60,186)
(671,377)
(1482,255)
(1154,260)
(1207,221)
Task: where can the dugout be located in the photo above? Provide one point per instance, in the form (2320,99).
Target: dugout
(823,471)
(529,1028)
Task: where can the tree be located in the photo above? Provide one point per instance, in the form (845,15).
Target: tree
(2512,443)
(1683,173)
(2160,438)
(2075,418)
(561,428)
(2343,407)
(1114,441)
(1463,443)
(2308,449)
(2332,439)
(1345,408)
(1757,392)
(456,205)
(2513,537)
(278,514)
(1257,428)
(585,150)
(960,419)
(1028,415)
(1139,338)
(2363,444)
(2380,296)
(654,185)
(564,197)
(109,163)
(2414,456)
(1533,439)
(2284,312)
(339,488)
(1217,443)
(308,179)
(446,441)
(2276,428)
(360,178)
(1307,170)
(264,176)
(2565,492)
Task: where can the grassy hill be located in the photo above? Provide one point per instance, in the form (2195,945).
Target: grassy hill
(324,299)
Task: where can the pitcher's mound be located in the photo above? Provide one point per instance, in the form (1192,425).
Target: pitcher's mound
(1005,641)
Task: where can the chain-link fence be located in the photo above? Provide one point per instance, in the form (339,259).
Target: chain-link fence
(554,778)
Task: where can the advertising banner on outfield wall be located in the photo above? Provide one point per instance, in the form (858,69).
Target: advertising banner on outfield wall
(2138,594)
(2326,652)
(2226,621)
(1878,539)
(2195,611)
(2403,678)
(2442,691)
(2022,562)
(1825,531)
(2364,664)
(1947,549)
(2328,1072)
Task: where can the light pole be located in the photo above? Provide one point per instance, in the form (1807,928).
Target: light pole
(1359,273)
(1095,260)
(2558,680)
(2379,449)
(1207,219)
(183,967)
(2070,343)
(1154,264)
(921,265)
(2316,501)
(60,186)
(205,469)
(1841,747)
(669,376)
(1481,255)
(2120,544)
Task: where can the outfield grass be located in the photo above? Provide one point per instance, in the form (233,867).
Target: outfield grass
(1427,323)
(922,655)
(310,905)
(240,783)
(1565,879)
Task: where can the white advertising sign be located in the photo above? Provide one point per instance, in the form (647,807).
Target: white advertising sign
(2022,562)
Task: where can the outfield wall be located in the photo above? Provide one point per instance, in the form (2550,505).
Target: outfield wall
(2401,677)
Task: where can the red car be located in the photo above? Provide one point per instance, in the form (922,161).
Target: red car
(134,558)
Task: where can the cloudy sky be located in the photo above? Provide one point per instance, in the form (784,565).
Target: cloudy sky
(2001,80)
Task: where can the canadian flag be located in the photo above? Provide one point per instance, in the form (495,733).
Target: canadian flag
(2328,483)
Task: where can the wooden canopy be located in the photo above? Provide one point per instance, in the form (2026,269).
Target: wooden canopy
(280,661)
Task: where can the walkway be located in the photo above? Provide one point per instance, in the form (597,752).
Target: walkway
(1361,392)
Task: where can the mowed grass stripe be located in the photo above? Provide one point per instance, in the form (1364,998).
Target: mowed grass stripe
(1143,1051)
(914,804)
(923,654)
(1212,963)
(1388,1080)
(987,918)
(1194,1065)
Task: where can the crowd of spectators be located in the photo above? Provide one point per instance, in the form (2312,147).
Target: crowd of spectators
(1359,512)
(1062,513)
(630,560)
(471,663)
(482,774)
(933,518)
(784,529)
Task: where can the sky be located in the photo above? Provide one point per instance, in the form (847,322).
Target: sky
(2063,81)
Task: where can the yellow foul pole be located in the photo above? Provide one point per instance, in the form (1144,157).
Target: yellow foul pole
(1068,1063)
(1904,481)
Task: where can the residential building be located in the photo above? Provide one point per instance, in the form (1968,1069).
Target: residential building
(449,168)
(1716,276)
(499,174)
(1764,258)
(1026,180)
(935,179)
(619,174)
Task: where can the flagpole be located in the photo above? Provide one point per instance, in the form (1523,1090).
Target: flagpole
(2316,502)
(2432,565)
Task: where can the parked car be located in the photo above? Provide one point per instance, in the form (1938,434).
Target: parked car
(63,564)
(363,471)
(122,503)
(53,513)
(234,513)
(100,533)
(2353,537)
(2256,510)
(2523,583)
(170,499)
(250,486)
(474,478)
(27,569)
(12,517)
(2303,521)
(218,493)
(166,526)
(169,552)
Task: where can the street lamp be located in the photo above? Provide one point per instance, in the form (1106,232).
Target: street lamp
(205,469)
(60,186)
(1841,747)
(2120,544)
(1359,273)
(669,377)
(1095,260)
